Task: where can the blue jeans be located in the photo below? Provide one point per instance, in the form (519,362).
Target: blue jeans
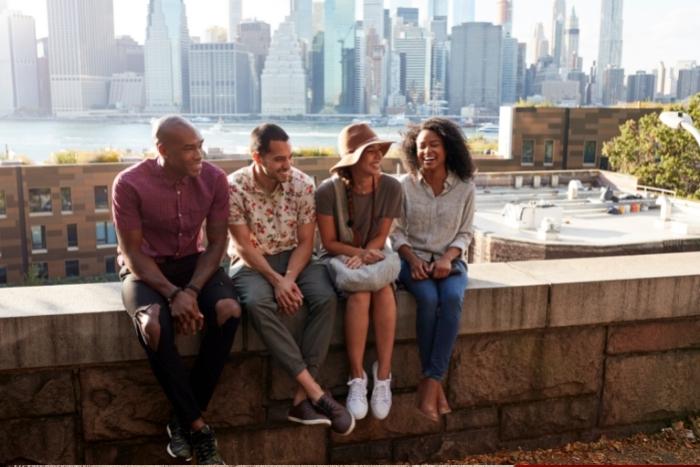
(438,309)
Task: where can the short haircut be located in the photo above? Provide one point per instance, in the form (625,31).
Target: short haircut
(261,136)
(162,127)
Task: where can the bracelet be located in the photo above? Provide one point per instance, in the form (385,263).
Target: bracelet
(173,294)
(193,288)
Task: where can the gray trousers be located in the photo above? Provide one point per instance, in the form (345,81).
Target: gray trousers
(300,341)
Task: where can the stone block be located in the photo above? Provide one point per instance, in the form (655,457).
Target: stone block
(141,452)
(238,398)
(122,402)
(288,445)
(542,442)
(551,416)
(36,394)
(366,453)
(654,337)
(467,419)
(403,420)
(619,288)
(38,441)
(444,447)
(651,387)
(515,367)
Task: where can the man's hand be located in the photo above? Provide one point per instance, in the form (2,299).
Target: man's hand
(441,268)
(420,270)
(288,295)
(185,311)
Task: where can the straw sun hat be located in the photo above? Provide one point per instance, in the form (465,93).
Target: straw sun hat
(352,142)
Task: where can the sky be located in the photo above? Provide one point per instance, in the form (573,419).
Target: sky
(653,30)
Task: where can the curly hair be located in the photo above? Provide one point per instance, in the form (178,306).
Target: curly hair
(457,157)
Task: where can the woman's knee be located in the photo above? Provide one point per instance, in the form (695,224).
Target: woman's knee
(451,301)
(226,309)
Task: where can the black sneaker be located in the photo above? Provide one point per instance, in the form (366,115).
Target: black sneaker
(306,414)
(205,447)
(342,421)
(179,445)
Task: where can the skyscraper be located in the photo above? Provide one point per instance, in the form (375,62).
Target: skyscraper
(411,42)
(408,15)
(509,70)
(166,57)
(235,15)
(504,16)
(610,41)
(300,11)
(339,34)
(641,86)
(539,47)
(375,70)
(438,9)
(613,85)
(475,66)
(19,80)
(82,52)
(573,61)
(558,43)
(438,62)
(283,82)
(462,11)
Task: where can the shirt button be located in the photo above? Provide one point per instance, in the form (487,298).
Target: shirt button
(179,214)
(178,192)
(179,235)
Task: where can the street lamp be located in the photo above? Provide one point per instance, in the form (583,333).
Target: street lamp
(678,120)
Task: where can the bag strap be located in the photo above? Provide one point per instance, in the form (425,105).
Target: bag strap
(345,233)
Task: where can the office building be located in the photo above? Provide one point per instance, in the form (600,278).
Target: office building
(558,42)
(339,34)
(641,86)
(166,56)
(539,45)
(283,82)
(223,79)
(610,39)
(126,92)
(475,66)
(128,56)
(573,60)
(462,11)
(504,16)
(82,53)
(613,86)
(19,80)
(411,42)
(235,15)
(688,83)
(408,15)
(302,16)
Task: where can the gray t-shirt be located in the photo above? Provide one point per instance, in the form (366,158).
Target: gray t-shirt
(387,204)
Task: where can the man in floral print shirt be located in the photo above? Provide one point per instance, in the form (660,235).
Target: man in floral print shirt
(288,296)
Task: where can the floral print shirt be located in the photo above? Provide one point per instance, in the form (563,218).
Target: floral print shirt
(272,218)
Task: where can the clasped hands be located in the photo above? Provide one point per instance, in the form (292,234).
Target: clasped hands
(185,311)
(438,269)
(367,256)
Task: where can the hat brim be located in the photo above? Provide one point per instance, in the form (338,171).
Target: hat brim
(350,159)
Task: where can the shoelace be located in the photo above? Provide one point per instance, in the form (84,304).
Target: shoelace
(381,391)
(358,389)
(207,448)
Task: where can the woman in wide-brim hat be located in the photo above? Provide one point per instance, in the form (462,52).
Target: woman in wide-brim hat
(373,202)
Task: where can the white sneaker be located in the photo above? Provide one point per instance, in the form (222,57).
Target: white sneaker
(381,395)
(357,397)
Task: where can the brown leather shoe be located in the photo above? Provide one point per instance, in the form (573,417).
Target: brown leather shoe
(443,405)
(427,399)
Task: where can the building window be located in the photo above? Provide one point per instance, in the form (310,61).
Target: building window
(72,268)
(528,151)
(40,200)
(105,233)
(3,275)
(38,237)
(72,234)
(110,265)
(41,270)
(101,201)
(589,153)
(66,200)
(3,205)
(548,152)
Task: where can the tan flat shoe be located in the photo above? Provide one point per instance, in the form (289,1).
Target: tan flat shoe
(427,402)
(443,405)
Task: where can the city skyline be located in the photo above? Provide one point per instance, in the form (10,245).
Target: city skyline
(671,38)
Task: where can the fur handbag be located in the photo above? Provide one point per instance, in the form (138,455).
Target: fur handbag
(368,277)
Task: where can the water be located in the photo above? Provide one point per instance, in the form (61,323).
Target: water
(37,139)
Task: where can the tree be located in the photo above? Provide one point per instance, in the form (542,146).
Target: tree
(657,155)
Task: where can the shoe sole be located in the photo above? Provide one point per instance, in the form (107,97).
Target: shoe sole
(309,422)
(170,451)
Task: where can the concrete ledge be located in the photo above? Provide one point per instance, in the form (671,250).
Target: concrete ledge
(69,325)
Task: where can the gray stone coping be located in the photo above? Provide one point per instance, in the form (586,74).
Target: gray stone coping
(66,325)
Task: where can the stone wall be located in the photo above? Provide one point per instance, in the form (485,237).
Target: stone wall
(549,352)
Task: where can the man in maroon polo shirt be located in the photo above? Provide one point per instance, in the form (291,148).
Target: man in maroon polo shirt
(171,283)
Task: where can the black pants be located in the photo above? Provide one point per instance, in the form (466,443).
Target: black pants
(188,391)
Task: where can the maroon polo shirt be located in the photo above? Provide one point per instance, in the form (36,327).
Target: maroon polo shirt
(169,212)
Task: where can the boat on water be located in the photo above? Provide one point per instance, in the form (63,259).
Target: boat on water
(489,128)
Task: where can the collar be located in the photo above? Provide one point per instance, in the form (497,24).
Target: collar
(280,188)
(449,182)
(168,177)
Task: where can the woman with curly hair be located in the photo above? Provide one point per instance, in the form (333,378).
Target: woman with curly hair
(432,236)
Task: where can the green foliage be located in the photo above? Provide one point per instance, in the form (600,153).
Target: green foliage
(86,157)
(314,152)
(659,156)
(479,145)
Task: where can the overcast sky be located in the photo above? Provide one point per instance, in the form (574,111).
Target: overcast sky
(653,30)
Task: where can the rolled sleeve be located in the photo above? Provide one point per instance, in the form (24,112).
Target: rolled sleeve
(307,206)
(398,235)
(126,211)
(466,230)
(219,211)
